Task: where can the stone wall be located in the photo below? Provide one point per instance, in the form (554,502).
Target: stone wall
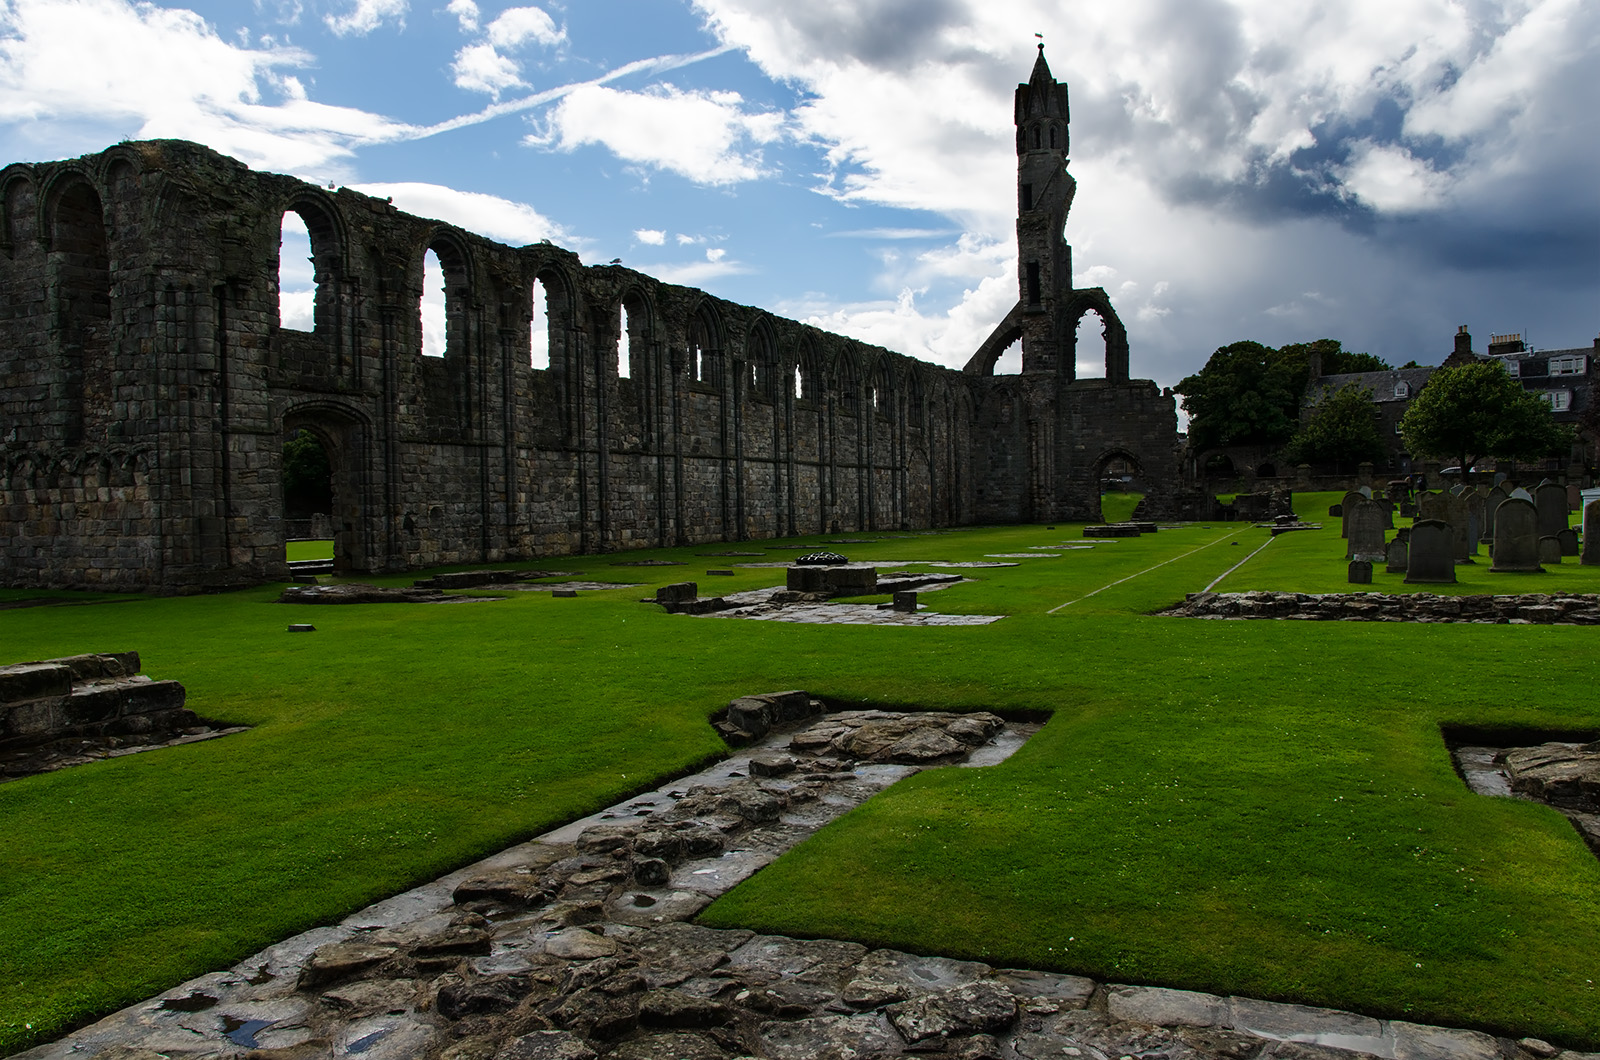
(147,389)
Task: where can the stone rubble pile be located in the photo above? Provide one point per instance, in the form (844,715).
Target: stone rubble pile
(1523,609)
(71,711)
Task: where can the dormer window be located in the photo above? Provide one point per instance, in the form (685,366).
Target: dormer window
(1401,390)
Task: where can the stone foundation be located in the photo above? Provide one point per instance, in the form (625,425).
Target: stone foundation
(1524,609)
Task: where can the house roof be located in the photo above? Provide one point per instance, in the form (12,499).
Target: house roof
(1382,384)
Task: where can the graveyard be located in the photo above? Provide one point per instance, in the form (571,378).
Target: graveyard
(1261,808)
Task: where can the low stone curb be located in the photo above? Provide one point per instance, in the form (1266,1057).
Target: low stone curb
(1581,609)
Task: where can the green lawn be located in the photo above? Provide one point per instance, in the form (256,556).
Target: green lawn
(1255,807)
(302,550)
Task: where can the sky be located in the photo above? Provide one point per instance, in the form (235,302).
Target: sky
(1376,171)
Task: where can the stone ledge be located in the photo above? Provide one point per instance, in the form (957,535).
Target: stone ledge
(1575,609)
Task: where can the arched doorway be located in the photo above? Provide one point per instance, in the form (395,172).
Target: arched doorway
(1119,481)
(325,462)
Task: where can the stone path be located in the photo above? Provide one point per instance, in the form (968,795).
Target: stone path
(577,945)
(757,604)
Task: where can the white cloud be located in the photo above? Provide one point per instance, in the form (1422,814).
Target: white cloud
(698,273)
(652,237)
(518,25)
(515,223)
(715,254)
(466,12)
(688,240)
(367,15)
(1390,180)
(711,135)
(479,68)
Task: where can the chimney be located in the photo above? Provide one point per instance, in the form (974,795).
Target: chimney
(1463,342)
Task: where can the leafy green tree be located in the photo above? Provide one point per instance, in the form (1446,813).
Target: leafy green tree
(1472,411)
(1342,430)
(1336,360)
(306,475)
(1247,394)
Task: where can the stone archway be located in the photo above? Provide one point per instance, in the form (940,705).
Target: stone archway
(1117,472)
(345,437)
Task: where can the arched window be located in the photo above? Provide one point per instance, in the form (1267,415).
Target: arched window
(297,275)
(442,312)
(1091,347)
(916,405)
(763,364)
(705,355)
(882,401)
(80,272)
(539,328)
(433,305)
(625,347)
(805,374)
(1010,360)
(849,388)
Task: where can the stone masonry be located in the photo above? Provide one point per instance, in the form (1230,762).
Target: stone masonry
(147,388)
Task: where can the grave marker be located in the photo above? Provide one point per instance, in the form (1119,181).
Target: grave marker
(1516,535)
(1360,572)
(1346,506)
(1549,549)
(1432,553)
(1365,539)
(1591,535)
(1568,540)
(1551,502)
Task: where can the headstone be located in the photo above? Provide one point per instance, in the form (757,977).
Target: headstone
(564,592)
(1398,551)
(1574,498)
(1432,558)
(1551,502)
(1432,505)
(1516,535)
(1365,491)
(1346,506)
(1490,503)
(1360,572)
(1568,540)
(1474,506)
(1335,511)
(1591,535)
(1455,513)
(1365,522)
(1457,490)
(1387,507)
(1549,550)
(906,603)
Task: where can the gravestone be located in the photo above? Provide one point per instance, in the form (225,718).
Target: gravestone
(1516,535)
(1591,535)
(1474,506)
(1490,503)
(1568,540)
(1551,502)
(1574,498)
(1549,550)
(1432,506)
(1432,558)
(1387,507)
(1365,539)
(1455,513)
(905,603)
(1360,572)
(1347,504)
(1397,553)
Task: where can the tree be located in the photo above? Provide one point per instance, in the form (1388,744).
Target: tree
(306,475)
(1336,360)
(1247,394)
(1472,411)
(1342,430)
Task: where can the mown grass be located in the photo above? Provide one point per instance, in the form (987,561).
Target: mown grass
(1263,808)
(307,550)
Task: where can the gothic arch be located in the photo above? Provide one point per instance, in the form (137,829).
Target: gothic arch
(325,227)
(1008,331)
(707,343)
(641,329)
(345,432)
(761,359)
(1094,300)
(455,258)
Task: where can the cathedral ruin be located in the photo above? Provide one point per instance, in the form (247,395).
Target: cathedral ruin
(147,388)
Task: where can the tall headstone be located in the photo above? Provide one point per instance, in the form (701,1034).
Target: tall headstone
(1490,503)
(1387,507)
(1360,572)
(1347,504)
(1432,557)
(1516,535)
(1474,505)
(1365,540)
(1590,557)
(1551,502)
(1397,556)
(1455,513)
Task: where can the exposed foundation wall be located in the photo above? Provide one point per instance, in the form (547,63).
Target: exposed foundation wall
(146,390)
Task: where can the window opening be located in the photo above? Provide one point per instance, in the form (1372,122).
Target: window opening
(433,306)
(539,328)
(1010,360)
(625,348)
(1091,347)
(297,275)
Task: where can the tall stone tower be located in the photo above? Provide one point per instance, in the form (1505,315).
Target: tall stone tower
(1044,195)
(1045,441)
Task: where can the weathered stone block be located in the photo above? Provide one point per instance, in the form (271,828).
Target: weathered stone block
(25,681)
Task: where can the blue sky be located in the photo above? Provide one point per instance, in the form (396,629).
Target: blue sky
(1378,172)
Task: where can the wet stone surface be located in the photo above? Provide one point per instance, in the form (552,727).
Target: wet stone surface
(1564,776)
(578,945)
